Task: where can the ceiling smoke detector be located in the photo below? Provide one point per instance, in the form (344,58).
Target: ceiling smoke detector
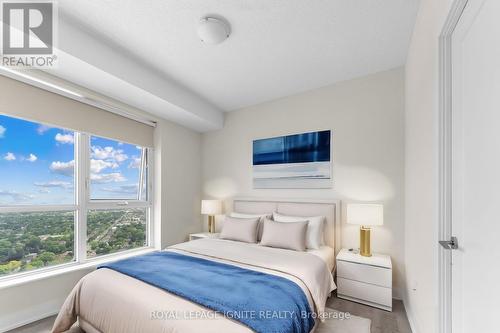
(213,30)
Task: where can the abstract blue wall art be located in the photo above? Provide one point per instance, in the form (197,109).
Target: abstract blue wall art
(293,161)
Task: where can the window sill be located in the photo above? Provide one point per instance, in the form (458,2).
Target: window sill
(11,281)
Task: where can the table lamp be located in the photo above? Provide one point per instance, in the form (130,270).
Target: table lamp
(365,215)
(211,208)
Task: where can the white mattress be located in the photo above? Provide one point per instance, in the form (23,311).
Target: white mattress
(327,254)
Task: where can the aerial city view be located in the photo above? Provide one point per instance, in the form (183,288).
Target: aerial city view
(35,240)
(37,169)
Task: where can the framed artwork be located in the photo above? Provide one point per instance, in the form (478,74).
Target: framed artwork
(293,161)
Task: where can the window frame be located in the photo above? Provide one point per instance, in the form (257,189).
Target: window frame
(81,205)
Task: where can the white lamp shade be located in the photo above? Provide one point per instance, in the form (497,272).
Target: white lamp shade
(211,207)
(365,214)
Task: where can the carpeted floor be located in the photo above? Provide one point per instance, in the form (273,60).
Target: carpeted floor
(382,321)
(339,322)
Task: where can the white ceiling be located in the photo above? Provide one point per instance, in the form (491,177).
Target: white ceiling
(277,47)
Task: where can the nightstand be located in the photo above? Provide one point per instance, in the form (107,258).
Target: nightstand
(366,280)
(203,235)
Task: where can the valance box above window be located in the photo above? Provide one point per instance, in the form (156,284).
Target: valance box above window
(31,103)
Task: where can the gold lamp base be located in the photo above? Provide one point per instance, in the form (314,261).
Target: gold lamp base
(211,224)
(364,242)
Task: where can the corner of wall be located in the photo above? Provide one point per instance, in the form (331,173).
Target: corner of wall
(178,183)
(409,315)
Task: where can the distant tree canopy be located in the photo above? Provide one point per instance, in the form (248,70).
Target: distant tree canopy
(10,267)
(46,257)
(34,240)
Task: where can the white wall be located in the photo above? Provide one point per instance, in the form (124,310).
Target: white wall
(179,184)
(26,303)
(366,116)
(177,196)
(421,153)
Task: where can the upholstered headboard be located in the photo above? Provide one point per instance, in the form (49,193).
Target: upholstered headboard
(298,207)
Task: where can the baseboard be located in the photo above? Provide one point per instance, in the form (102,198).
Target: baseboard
(409,315)
(31,319)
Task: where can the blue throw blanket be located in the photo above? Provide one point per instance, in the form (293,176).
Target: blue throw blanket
(263,302)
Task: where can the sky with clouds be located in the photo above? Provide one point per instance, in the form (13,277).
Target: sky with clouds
(37,165)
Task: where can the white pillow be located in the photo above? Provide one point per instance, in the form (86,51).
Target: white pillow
(243,230)
(314,234)
(251,216)
(288,235)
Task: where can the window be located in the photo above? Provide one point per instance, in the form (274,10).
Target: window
(110,231)
(56,184)
(31,240)
(36,165)
(119,209)
(124,163)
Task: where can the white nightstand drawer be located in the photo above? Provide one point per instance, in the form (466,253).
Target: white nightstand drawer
(365,292)
(365,273)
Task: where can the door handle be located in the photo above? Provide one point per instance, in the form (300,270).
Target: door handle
(452,244)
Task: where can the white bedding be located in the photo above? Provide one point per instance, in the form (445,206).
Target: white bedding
(327,254)
(108,301)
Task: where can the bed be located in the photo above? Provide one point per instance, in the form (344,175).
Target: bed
(108,301)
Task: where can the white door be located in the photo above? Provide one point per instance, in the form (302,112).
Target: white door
(475,169)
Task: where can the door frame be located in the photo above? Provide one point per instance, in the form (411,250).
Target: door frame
(445,165)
